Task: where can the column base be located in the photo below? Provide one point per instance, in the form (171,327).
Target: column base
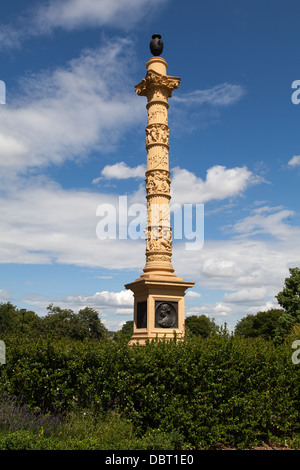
(158,307)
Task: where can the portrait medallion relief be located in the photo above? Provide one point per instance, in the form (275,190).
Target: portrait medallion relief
(166,314)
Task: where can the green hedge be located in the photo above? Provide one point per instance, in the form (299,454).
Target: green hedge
(233,391)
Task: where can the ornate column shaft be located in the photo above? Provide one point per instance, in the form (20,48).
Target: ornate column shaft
(158,292)
(158,87)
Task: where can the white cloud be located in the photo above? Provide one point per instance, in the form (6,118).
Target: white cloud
(121,171)
(102,299)
(224,94)
(220,183)
(124,311)
(270,304)
(218,311)
(48,224)
(42,223)
(220,268)
(246,295)
(272,224)
(70,14)
(241,263)
(192,294)
(75,14)
(64,114)
(108,304)
(295,161)
(244,273)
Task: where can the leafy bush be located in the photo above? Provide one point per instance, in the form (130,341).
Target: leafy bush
(197,392)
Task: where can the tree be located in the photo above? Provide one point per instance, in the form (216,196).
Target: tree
(125,333)
(244,327)
(17,320)
(64,322)
(8,318)
(263,324)
(289,297)
(89,319)
(200,325)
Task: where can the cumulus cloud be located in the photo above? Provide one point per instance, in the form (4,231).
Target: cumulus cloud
(43,223)
(241,263)
(220,183)
(121,171)
(294,161)
(246,295)
(245,272)
(103,299)
(106,303)
(46,224)
(217,310)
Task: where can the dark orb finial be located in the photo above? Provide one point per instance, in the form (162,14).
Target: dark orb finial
(156,45)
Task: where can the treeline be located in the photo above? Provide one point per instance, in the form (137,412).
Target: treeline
(273,324)
(57,323)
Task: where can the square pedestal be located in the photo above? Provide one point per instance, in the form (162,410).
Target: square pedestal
(158,308)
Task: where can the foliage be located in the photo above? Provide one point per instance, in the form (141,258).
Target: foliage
(64,322)
(57,323)
(289,297)
(264,324)
(14,319)
(196,392)
(200,325)
(125,333)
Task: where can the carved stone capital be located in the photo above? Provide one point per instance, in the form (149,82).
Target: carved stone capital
(155,79)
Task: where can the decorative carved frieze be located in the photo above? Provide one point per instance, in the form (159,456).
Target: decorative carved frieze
(164,258)
(159,239)
(157,134)
(158,182)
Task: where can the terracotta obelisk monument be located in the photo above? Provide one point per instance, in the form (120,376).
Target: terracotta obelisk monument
(158,292)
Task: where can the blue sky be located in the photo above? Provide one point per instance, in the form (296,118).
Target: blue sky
(72,137)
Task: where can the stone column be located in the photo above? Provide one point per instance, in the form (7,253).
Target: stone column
(158,87)
(158,292)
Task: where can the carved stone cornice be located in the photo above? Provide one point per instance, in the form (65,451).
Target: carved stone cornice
(155,79)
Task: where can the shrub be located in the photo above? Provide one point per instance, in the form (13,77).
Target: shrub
(197,392)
